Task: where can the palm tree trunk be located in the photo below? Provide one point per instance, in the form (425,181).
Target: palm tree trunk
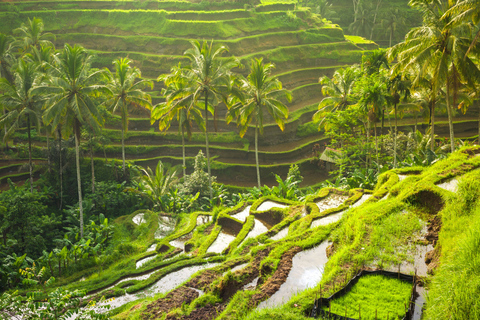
(432,127)
(376,143)
(92,164)
(30,167)
(368,142)
(450,120)
(206,146)
(123,150)
(256,155)
(183,152)
(60,171)
(395,139)
(79,181)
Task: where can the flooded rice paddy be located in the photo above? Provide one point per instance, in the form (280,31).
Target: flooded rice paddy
(139,219)
(330,202)
(258,229)
(267,205)
(362,200)
(331,218)
(450,185)
(242,215)
(180,242)
(281,234)
(306,272)
(141,262)
(221,243)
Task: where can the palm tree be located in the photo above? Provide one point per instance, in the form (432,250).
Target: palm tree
(31,35)
(178,105)
(6,60)
(440,47)
(398,87)
(70,101)
(337,91)
(22,102)
(391,22)
(372,93)
(362,25)
(210,78)
(261,91)
(462,12)
(126,92)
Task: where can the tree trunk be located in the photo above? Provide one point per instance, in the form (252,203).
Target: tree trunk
(79,181)
(432,126)
(60,171)
(376,144)
(206,147)
(30,167)
(184,166)
(450,119)
(391,34)
(256,155)
(395,139)
(123,150)
(92,163)
(368,142)
(48,150)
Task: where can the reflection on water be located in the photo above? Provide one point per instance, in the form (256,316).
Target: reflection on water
(242,215)
(258,229)
(306,272)
(450,185)
(327,220)
(141,262)
(180,242)
(267,205)
(239,267)
(165,226)
(139,218)
(203,219)
(221,243)
(252,285)
(281,234)
(419,302)
(152,247)
(330,202)
(362,200)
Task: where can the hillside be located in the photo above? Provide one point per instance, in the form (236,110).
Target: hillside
(302,45)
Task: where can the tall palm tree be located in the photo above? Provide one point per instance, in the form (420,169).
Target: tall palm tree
(337,92)
(261,93)
(398,86)
(391,22)
(372,93)
(126,92)
(441,48)
(22,102)
(210,78)
(70,101)
(178,105)
(6,61)
(462,12)
(31,35)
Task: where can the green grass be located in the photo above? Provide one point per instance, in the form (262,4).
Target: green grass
(375,295)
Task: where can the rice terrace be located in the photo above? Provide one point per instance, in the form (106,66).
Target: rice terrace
(240,159)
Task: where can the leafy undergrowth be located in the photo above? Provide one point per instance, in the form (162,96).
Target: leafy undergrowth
(380,233)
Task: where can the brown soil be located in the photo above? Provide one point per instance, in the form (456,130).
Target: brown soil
(204,313)
(330,250)
(274,282)
(174,299)
(432,202)
(432,259)
(270,217)
(229,226)
(203,280)
(434,226)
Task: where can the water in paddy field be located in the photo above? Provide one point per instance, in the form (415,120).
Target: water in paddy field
(152,247)
(401,176)
(450,185)
(203,219)
(362,200)
(252,285)
(239,267)
(306,272)
(419,302)
(139,219)
(141,262)
(267,205)
(330,202)
(164,285)
(242,215)
(180,242)
(165,226)
(334,217)
(258,229)
(221,243)
(281,234)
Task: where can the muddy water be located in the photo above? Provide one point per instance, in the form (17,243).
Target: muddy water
(239,267)
(165,226)
(419,302)
(139,219)
(152,247)
(242,215)
(258,229)
(418,261)
(267,205)
(164,285)
(221,243)
(202,219)
(144,260)
(200,292)
(332,201)
(327,220)
(180,242)
(450,185)
(306,272)
(252,285)
(281,234)
(362,200)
